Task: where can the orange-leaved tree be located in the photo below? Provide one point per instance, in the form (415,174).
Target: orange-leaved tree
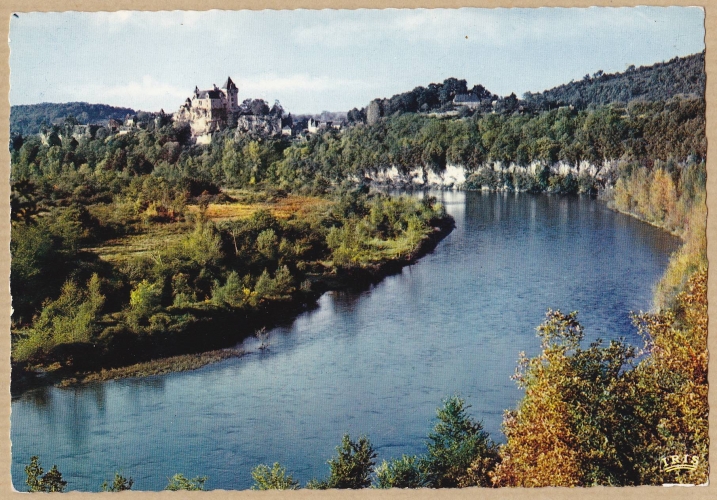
(563,432)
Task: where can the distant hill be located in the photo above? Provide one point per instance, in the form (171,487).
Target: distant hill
(27,119)
(659,82)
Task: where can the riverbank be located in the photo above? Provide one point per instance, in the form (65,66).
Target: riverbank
(182,363)
(214,332)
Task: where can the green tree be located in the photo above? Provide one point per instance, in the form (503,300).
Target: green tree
(231,293)
(119,483)
(145,299)
(351,467)
(267,244)
(274,478)
(456,443)
(72,318)
(39,481)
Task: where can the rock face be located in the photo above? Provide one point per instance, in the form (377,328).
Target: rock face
(455,176)
(264,125)
(85,131)
(58,135)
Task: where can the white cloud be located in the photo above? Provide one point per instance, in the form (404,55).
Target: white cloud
(148,94)
(267,83)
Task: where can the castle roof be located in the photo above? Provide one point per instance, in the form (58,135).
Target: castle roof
(211,94)
(229,84)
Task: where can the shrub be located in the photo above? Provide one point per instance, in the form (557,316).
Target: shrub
(272,479)
(120,483)
(181,291)
(404,472)
(69,319)
(278,287)
(145,299)
(179,482)
(232,293)
(267,244)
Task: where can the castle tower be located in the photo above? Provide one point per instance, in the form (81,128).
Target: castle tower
(232,94)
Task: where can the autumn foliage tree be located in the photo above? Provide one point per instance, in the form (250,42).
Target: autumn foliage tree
(595,417)
(669,388)
(563,431)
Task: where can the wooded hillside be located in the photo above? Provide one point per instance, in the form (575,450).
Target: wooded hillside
(27,119)
(659,82)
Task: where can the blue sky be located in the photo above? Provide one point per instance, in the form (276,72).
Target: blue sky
(331,59)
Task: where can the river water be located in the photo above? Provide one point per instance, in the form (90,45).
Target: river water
(376,363)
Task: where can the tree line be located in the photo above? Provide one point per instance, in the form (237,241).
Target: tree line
(28,119)
(487,144)
(680,76)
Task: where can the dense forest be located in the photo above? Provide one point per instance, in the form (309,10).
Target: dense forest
(679,76)
(137,247)
(28,119)
(487,144)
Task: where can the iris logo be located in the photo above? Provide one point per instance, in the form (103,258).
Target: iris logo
(679,462)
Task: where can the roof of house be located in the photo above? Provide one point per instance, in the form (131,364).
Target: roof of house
(466,98)
(229,84)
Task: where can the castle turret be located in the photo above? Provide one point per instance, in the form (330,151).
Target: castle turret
(232,94)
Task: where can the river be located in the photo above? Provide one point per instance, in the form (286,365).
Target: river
(377,362)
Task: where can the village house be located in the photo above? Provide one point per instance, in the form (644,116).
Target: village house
(113,125)
(470,100)
(313,126)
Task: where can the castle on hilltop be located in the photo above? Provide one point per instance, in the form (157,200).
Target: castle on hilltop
(209,110)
